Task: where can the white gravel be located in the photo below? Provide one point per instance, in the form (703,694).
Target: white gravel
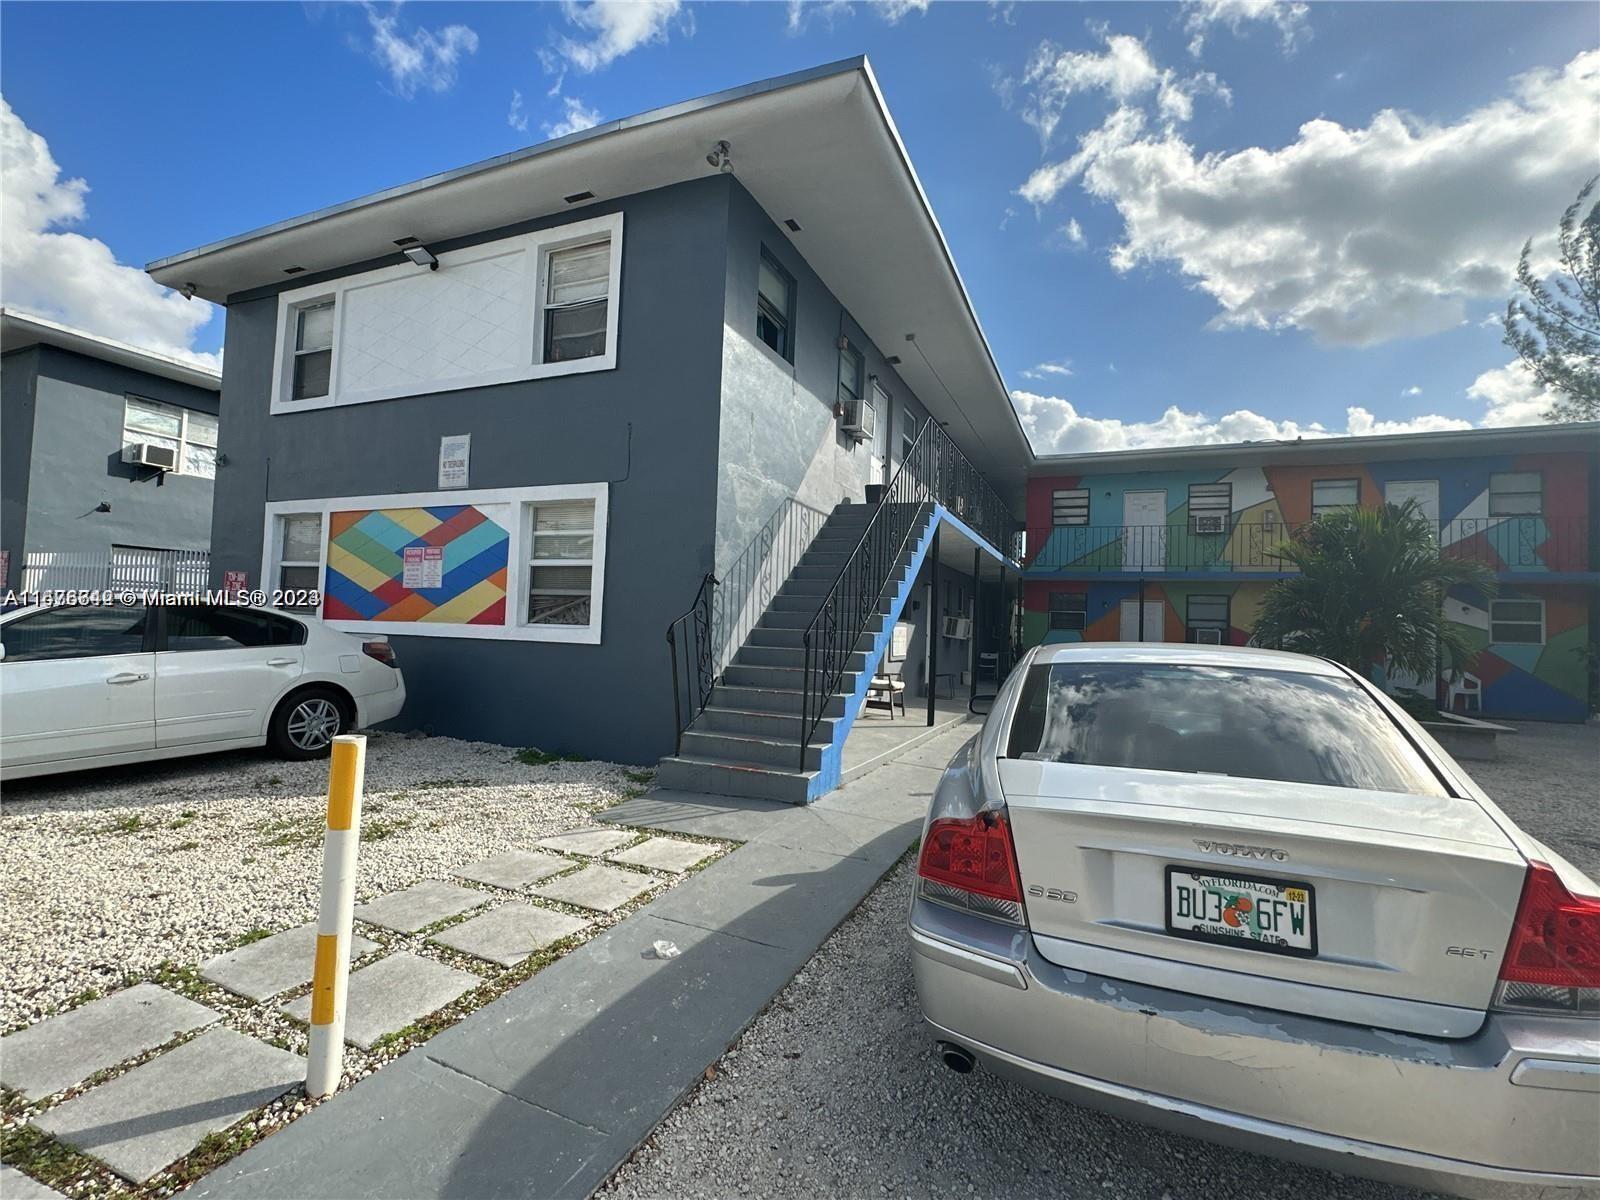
(112,872)
(834,1090)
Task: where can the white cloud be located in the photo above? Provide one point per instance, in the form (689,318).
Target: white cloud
(578,116)
(1512,395)
(1073,232)
(517,117)
(609,30)
(800,13)
(1060,366)
(50,270)
(1413,390)
(1357,236)
(1055,426)
(425,59)
(1287,16)
(1124,72)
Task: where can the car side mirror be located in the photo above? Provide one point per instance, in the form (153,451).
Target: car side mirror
(980,705)
(2,652)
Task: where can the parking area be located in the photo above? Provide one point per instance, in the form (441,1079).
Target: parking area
(835,1091)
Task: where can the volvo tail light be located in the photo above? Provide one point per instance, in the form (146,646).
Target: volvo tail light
(969,862)
(1552,962)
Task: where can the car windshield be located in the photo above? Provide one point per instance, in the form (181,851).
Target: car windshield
(1255,724)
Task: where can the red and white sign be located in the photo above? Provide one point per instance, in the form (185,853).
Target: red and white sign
(423,569)
(235,582)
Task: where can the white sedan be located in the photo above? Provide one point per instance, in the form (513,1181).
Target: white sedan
(1240,894)
(86,685)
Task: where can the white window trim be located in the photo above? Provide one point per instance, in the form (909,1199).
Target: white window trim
(517,558)
(537,246)
(183,431)
(1544,631)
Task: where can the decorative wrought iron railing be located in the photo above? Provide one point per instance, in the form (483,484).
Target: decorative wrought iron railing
(693,670)
(934,471)
(1526,543)
(748,584)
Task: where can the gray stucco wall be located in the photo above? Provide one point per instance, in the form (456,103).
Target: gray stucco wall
(778,436)
(70,460)
(17,372)
(648,427)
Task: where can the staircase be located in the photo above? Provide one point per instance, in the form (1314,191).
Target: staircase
(747,740)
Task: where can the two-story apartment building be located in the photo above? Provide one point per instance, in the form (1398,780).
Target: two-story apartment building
(1180,545)
(512,417)
(108,454)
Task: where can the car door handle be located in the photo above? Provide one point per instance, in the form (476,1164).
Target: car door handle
(280,662)
(126,677)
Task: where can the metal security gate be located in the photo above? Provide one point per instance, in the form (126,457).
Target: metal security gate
(121,567)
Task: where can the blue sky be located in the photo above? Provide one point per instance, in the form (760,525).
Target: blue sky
(1187,222)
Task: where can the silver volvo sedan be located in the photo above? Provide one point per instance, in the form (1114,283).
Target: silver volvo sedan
(1240,894)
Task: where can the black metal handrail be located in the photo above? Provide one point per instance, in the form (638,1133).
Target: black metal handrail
(933,470)
(698,673)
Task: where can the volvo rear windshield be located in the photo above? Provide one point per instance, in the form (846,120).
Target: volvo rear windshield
(1252,724)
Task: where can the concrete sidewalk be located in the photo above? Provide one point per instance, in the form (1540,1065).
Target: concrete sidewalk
(546,1090)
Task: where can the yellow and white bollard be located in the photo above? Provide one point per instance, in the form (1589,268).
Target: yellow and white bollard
(346,778)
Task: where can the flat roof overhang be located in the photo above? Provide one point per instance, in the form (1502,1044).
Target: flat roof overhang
(817,147)
(1576,437)
(19,330)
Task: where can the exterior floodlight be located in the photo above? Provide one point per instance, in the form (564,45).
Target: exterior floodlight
(422,256)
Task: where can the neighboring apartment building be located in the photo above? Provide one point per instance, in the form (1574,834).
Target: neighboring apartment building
(513,415)
(1178,545)
(109,456)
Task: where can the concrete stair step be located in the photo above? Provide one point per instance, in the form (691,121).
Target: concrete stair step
(746,748)
(682,772)
(769,699)
(758,723)
(788,656)
(782,678)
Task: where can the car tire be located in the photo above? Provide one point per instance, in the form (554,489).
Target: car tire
(306,723)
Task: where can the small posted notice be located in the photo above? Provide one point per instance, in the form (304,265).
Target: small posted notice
(423,569)
(455,452)
(235,582)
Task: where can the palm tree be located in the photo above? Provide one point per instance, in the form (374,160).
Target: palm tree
(1370,589)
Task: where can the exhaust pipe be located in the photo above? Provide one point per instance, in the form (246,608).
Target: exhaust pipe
(958,1058)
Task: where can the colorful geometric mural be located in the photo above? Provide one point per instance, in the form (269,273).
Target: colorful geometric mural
(1541,552)
(443,564)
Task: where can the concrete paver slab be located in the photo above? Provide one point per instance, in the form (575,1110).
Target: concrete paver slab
(420,905)
(478,1143)
(61,1051)
(593,842)
(603,889)
(664,854)
(513,869)
(140,1122)
(275,964)
(14,1185)
(391,994)
(508,934)
(735,818)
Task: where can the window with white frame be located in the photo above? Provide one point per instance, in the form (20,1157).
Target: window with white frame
(193,434)
(577,301)
(1516,494)
(1516,622)
(561,562)
(299,561)
(512,563)
(1069,506)
(1330,495)
(313,350)
(532,306)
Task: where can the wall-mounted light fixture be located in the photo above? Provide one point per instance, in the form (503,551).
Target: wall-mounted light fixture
(422,256)
(721,157)
(187,291)
(103,507)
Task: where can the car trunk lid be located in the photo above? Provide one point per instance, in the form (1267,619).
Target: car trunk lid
(1389,898)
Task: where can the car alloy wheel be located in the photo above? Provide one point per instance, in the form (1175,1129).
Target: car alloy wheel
(313,723)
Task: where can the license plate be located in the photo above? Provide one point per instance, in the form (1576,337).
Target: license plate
(1248,911)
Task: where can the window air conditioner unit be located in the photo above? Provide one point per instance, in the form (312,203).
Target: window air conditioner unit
(1208,637)
(859,419)
(162,458)
(1211,523)
(958,628)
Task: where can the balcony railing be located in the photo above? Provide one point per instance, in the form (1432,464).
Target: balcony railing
(1532,544)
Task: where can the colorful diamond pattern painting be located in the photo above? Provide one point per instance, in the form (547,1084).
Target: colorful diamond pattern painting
(366,566)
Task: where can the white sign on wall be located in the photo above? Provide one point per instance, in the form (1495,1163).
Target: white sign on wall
(422,567)
(455,451)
